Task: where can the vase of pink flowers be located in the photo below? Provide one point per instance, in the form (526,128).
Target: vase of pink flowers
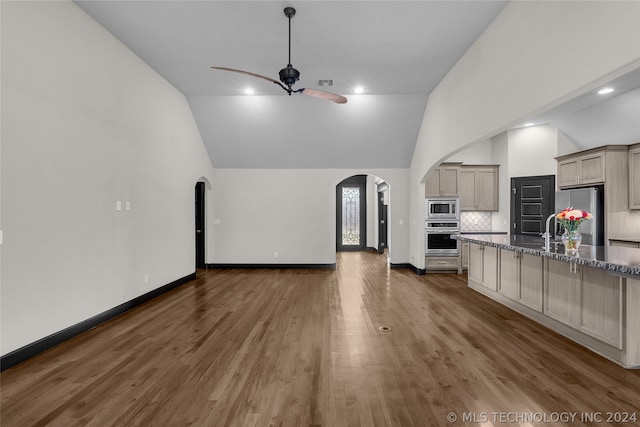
(571,219)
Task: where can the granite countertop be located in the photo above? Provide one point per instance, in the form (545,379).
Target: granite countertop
(616,259)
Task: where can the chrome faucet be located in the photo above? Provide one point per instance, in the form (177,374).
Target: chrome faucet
(547,234)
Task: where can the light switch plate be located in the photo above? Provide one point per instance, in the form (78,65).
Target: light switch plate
(118,205)
(127,206)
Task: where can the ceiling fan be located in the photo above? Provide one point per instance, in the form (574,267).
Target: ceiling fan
(289,75)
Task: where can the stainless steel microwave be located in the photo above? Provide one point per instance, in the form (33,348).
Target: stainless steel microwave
(443,208)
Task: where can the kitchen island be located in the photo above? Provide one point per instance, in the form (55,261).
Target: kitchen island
(592,298)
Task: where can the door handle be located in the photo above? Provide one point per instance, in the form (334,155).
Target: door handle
(198,231)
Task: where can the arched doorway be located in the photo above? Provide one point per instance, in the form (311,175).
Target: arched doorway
(362,214)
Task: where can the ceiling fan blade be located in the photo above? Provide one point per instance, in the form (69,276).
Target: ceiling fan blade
(339,99)
(269,79)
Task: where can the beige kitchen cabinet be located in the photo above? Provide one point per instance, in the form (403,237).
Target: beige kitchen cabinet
(509,277)
(531,281)
(581,170)
(562,285)
(607,166)
(520,278)
(634,176)
(478,187)
(443,181)
(587,167)
(483,266)
(464,255)
(632,323)
(601,307)
(445,263)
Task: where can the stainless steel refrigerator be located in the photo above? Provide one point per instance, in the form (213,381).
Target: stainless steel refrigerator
(588,199)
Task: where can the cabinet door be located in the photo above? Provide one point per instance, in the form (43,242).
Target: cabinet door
(449,181)
(432,185)
(531,281)
(591,168)
(567,173)
(634,178)
(464,253)
(487,190)
(467,189)
(509,278)
(602,306)
(490,267)
(562,296)
(475,263)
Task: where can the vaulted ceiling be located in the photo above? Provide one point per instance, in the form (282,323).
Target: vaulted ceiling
(397,51)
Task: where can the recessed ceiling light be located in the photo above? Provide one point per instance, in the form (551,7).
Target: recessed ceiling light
(358,90)
(526,125)
(249,91)
(605,91)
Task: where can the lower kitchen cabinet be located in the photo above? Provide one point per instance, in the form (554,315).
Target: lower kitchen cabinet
(590,305)
(483,265)
(562,292)
(448,263)
(464,255)
(585,298)
(520,278)
(509,279)
(601,307)
(531,281)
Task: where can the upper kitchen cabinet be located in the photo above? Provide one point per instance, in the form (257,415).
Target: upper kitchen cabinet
(478,188)
(587,167)
(634,176)
(443,181)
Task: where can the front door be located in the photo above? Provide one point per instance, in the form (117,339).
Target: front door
(351,215)
(532,201)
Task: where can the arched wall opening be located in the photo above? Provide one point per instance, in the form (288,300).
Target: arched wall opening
(371,220)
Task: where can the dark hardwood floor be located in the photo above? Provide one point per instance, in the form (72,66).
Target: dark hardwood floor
(303,347)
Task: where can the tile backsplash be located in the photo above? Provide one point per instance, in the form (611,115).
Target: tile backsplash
(475,221)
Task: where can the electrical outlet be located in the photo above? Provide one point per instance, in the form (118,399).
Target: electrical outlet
(275,254)
(146,279)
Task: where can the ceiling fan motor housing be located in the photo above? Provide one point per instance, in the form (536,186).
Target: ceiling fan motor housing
(289,75)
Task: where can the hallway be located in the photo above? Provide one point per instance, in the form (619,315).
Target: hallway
(247,347)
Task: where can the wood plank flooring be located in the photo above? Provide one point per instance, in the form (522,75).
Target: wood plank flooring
(303,348)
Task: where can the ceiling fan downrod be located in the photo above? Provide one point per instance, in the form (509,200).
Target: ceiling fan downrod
(289,75)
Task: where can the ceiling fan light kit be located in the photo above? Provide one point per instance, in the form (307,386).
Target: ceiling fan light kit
(289,75)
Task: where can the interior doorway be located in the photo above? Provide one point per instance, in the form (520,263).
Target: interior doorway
(200,224)
(532,201)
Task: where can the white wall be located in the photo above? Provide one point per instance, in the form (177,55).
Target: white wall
(476,154)
(532,151)
(85,123)
(500,150)
(293,212)
(534,56)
